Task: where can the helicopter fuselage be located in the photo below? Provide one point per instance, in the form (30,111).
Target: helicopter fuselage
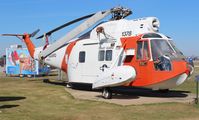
(156,62)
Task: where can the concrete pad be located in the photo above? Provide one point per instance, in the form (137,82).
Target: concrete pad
(134,96)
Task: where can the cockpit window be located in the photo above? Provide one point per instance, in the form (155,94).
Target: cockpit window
(161,53)
(160,48)
(151,35)
(175,48)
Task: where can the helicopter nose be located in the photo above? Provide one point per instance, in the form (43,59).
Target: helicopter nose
(190,69)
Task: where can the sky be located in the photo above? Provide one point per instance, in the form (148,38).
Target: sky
(179,19)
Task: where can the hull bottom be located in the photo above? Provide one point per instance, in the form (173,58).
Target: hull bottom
(170,83)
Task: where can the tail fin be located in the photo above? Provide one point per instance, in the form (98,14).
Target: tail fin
(26,37)
(29,44)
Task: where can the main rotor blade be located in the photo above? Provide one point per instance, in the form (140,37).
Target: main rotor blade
(72,34)
(65,25)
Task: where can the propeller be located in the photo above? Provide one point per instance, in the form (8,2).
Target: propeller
(21,36)
(18,35)
(65,25)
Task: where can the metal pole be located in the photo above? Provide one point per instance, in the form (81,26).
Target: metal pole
(196,92)
(197,80)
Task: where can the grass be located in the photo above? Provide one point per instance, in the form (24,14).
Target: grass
(31,99)
(190,84)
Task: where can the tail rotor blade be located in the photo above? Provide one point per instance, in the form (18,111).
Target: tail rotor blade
(34,33)
(11,34)
(19,35)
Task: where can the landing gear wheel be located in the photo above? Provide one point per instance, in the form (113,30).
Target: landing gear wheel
(107,93)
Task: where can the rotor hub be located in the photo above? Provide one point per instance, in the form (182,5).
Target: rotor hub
(120,13)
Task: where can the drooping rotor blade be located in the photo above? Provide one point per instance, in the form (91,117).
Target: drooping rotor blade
(72,34)
(65,25)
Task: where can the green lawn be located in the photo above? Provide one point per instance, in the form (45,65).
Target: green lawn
(190,84)
(31,99)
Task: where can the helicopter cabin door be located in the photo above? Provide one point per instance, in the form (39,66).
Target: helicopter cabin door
(88,61)
(143,57)
(94,59)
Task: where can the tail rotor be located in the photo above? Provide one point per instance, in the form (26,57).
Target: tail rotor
(22,35)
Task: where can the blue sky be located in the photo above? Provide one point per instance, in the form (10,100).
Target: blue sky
(178,18)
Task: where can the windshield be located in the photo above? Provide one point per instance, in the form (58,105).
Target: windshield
(160,47)
(175,48)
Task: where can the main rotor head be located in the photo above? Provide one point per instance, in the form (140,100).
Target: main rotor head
(120,13)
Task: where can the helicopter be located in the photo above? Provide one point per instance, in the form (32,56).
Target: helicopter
(117,52)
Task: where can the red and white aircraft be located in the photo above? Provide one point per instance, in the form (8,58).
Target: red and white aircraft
(114,53)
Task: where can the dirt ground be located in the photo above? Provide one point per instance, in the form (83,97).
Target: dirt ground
(134,96)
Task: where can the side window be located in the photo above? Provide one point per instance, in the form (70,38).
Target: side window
(142,50)
(108,55)
(146,51)
(139,50)
(101,55)
(105,55)
(82,56)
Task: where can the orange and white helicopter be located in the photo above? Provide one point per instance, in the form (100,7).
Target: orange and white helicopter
(114,53)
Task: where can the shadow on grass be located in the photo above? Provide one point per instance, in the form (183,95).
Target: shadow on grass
(8,106)
(61,83)
(10,98)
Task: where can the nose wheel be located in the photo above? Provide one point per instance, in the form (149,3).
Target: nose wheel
(107,93)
